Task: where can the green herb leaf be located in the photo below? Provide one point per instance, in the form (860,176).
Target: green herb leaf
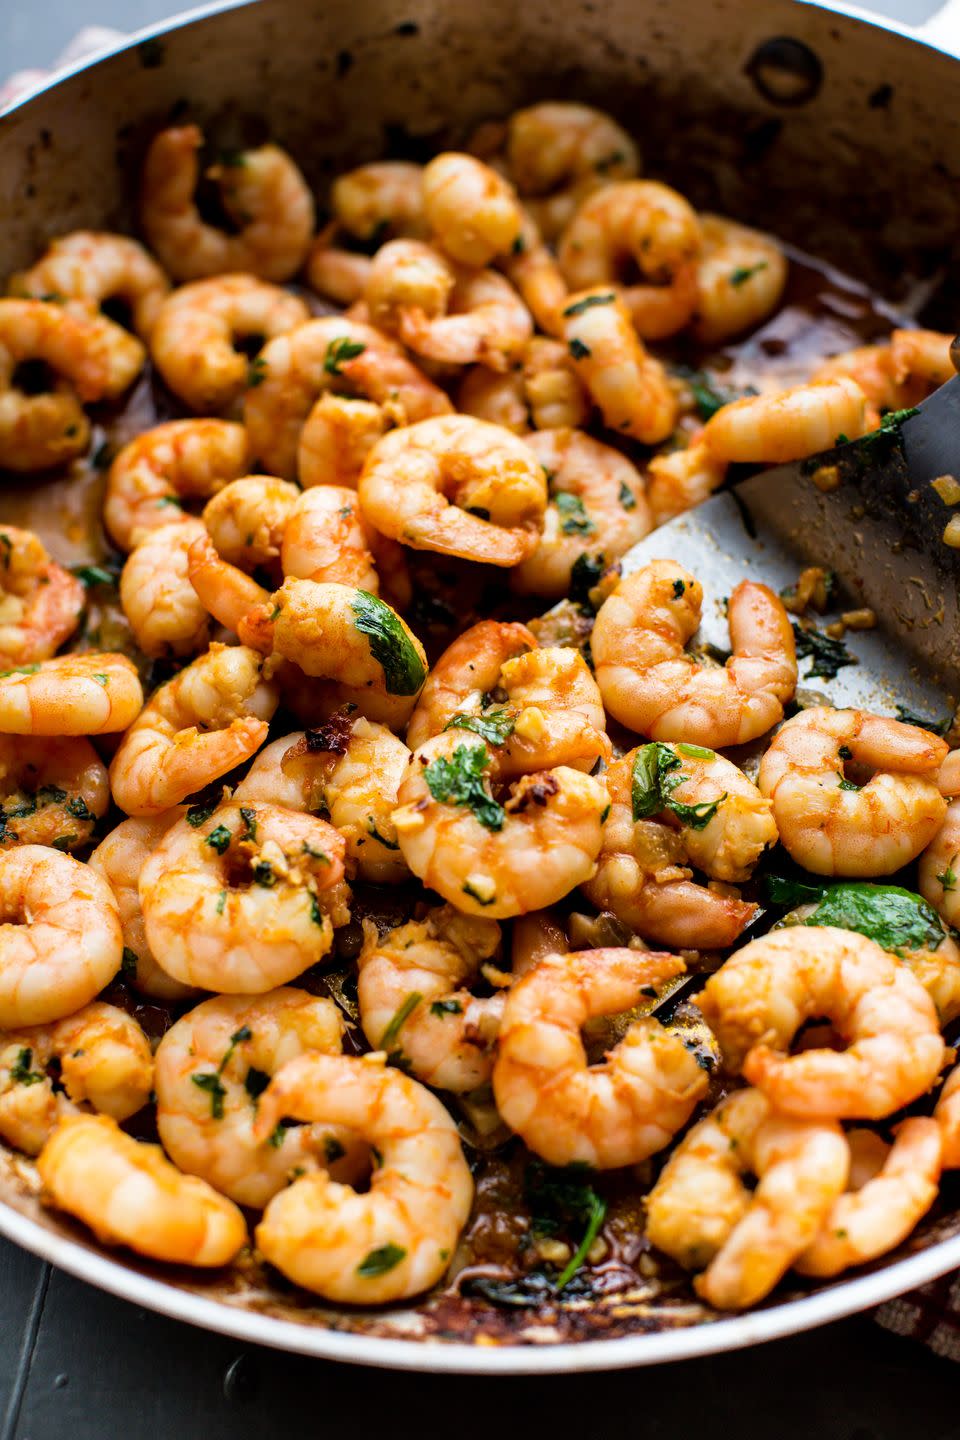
(128,961)
(459,780)
(278,1134)
(257,372)
(627,498)
(708,395)
(210,1082)
(936,727)
(92,575)
(380,1261)
(375,834)
(587,303)
(339,352)
(474,894)
(653,783)
(199,814)
(578,350)
(598,1213)
(20,1072)
(400,1019)
(828,655)
(897,919)
(446,1007)
(585,573)
(255,1082)
(743,273)
(219,839)
(496,726)
(390,645)
(574,519)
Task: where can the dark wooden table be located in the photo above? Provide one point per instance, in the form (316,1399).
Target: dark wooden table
(76,1364)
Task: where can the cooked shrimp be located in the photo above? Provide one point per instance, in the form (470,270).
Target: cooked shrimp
(98,1056)
(788,425)
(415,999)
(194,338)
(60,940)
(701,1213)
(246,520)
(471,210)
(758,1000)
(326,538)
(445,312)
(831,825)
(533,270)
(337,436)
(458,486)
(38,431)
(869,1221)
(261,190)
(207,719)
(597,507)
(650,684)
(492,859)
(330,354)
(555,394)
(378,201)
(119,858)
(129,1194)
(153,474)
(90,694)
(947,1115)
(551,712)
(396,1239)
(938,872)
(211,1068)
(644,224)
(740,278)
(350,769)
(93,266)
(225,591)
(349,637)
(559,152)
(236,902)
(720,823)
(52,791)
(683,478)
(608,1115)
(871,366)
(921,358)
(499,398)
(335,273)
(40,602)
(629,386)
(162,607)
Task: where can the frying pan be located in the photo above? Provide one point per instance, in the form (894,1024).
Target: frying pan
(839,133)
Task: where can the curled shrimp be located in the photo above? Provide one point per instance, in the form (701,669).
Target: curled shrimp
(629,387)
(876,1216)
(156,472)
(119,858)
(381,200)
(740,277)
(98,1056)
(559,152)
(96,693)
(650,684)
(532,269)
(194,337)
(396,1239)
(457,486)
(330,354)
(337,436)
(40,602)
(597,507)
(246,520)
(52,791)
(88,267)
(947,1115)
(350,769)
(471,211)
(551,712)
(701,1213)
(608,1115)
(445,312)
(830,824)
(415,999)
(348,637)
(719,823)
(494,859)
(326,538)
(212,1065)
(38,431)
(760,997)
(647,225)
(60,940)
(236,902)
(129,1194)
(261,190)
(547,394)
(788,425)
(161,606)
(207,719)
(681,479)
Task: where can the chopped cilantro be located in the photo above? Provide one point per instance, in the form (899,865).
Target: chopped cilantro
(380,1261)
(446,1007)
(936,727)
(496,726)
(255,1082)
(257,372)
(588,301)
(585,573)
(400,1019)
(743,273)
(20,1072)
(92,575)
(219,839)
(559,1198)
(199,814)
(626,496)
(574,519)
(339,352)
(578,350)
(828,655)
(390,644)
(375,834)
(128,961)
(653,783)
(210,1082)
(459,780)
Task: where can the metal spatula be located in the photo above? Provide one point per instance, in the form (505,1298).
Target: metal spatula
(866,511)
